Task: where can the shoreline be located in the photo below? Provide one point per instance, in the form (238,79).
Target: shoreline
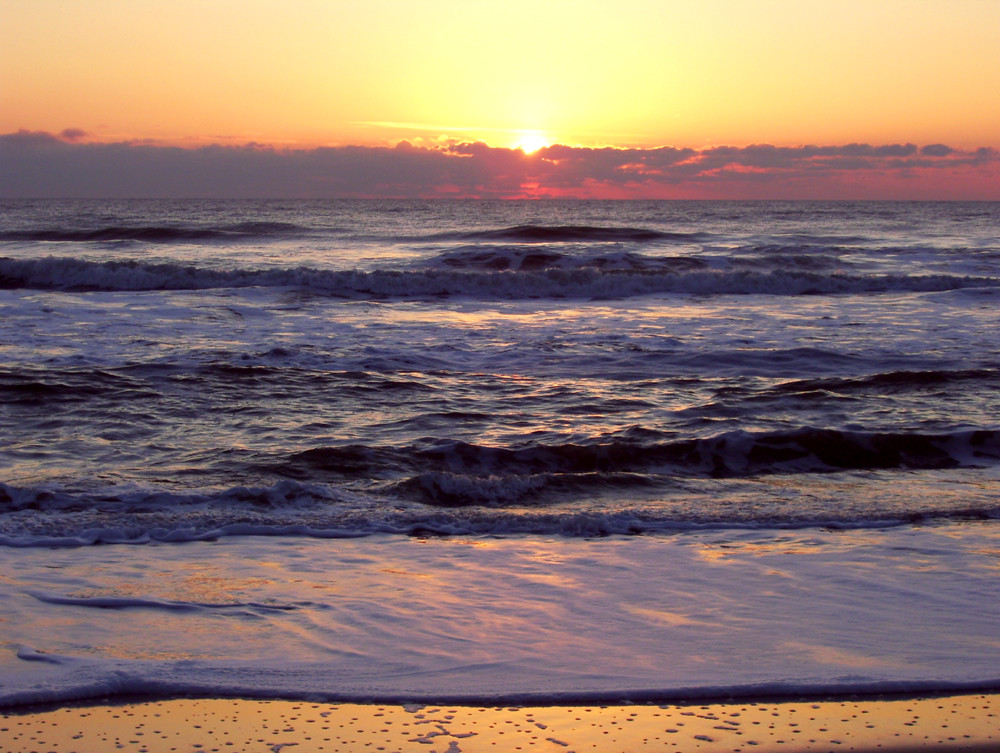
(889,723)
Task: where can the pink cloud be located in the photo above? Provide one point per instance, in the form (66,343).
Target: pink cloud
(34,163)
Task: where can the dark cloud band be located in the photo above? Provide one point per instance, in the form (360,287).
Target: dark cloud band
(40,164)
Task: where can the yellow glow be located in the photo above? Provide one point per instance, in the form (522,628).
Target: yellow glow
(531,141)
(630,73)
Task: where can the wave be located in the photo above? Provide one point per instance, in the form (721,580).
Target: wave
(889,382)
(50,386)
(156,233)
(727,455)
(134,602)
(624,484)
(546,257)
(570,233)
(66,519)
(162,682)
(73,274)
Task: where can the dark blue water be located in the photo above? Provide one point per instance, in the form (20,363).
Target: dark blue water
(494,366)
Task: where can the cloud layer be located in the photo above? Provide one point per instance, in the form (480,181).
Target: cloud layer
(41,164)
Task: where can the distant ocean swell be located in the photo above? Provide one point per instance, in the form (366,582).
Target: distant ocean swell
(270,230)
(568,233)
(73,274)
(156,233)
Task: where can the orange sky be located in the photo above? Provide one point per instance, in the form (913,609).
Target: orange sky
(298,74)
(636,72)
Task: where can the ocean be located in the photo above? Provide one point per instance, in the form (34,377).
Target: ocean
(498,452)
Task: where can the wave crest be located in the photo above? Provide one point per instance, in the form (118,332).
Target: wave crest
(570,233)
(728,455)
(73,274)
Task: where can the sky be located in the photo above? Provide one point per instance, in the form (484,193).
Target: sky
(612,99)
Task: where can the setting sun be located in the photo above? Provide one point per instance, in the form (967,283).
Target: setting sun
(531,141)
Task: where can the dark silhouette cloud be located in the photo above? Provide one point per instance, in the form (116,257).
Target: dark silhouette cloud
(40,164)
(23,138)
(73,134)
(937,150)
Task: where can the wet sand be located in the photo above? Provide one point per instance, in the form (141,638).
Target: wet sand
(954,723)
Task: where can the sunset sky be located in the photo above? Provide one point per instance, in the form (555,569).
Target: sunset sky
(834,98)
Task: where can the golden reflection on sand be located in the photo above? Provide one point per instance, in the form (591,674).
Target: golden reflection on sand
(961,723)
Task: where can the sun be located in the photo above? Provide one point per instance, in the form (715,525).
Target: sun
(531,141)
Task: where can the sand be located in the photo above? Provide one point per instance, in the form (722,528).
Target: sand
(954,723)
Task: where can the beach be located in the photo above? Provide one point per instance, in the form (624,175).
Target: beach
(942,724)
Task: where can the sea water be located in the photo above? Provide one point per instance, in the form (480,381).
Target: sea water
(498,451)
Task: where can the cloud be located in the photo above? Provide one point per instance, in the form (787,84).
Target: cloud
(937,150)
(41,164)
(73,134)
(27,139)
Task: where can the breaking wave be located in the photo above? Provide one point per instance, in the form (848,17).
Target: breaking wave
(732,454)
(535,258)
(58,518)
(448,487)
(73,274)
